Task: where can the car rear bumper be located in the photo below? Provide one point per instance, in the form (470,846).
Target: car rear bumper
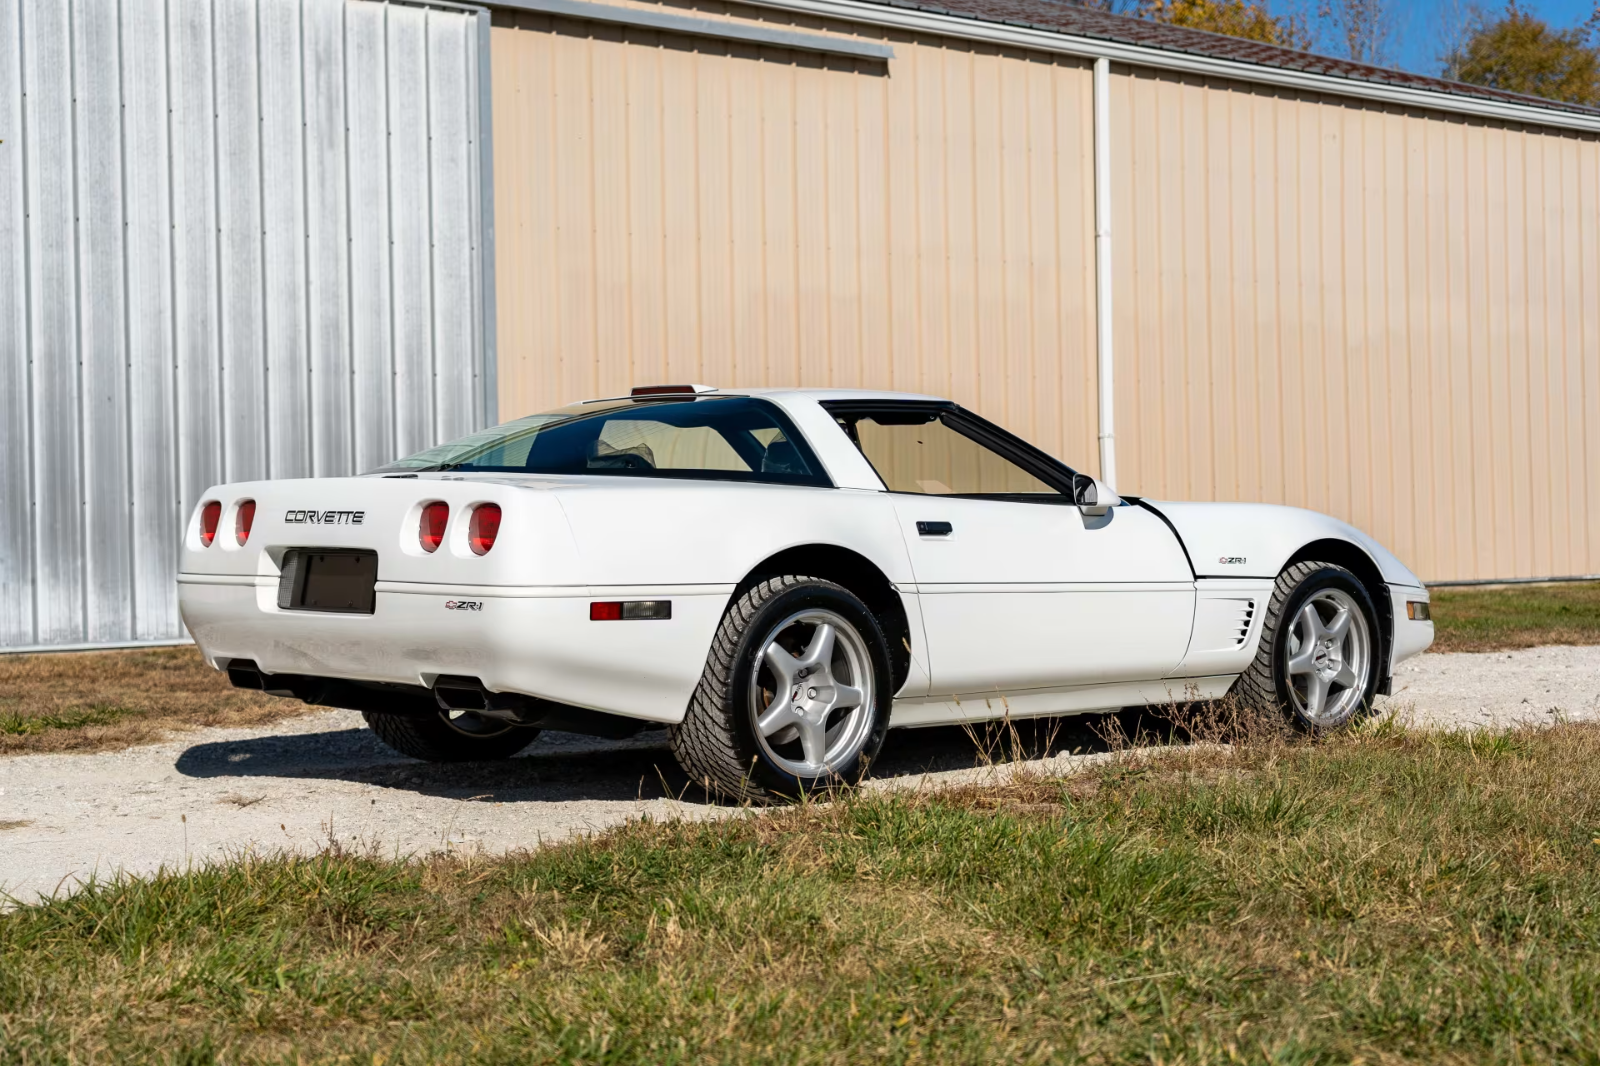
(537,641)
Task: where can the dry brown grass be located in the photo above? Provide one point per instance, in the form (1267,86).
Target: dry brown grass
(95,701)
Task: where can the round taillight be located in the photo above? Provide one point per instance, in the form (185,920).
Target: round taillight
(210,516)
(484,527)
(245,518)
(434,518)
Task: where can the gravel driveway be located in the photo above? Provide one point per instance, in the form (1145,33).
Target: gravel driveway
(303,782)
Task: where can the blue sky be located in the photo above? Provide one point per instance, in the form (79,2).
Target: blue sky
(1419,23)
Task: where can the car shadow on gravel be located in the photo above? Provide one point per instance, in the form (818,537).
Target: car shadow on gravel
(561,767)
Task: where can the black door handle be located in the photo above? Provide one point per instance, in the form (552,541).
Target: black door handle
(935,529)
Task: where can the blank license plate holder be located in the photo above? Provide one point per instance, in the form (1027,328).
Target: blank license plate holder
(331,581)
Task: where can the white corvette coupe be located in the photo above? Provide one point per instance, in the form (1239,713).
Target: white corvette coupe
(777,577)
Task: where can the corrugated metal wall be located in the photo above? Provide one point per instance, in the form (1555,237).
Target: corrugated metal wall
(674,209)
(238,239)
(1390,316)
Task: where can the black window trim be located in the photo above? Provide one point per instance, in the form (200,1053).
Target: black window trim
(1031,459)
(781,420)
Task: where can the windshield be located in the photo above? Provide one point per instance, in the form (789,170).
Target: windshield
(721,438)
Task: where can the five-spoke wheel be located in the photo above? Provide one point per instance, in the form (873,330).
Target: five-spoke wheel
(1330,651)
(1319,658)
(795,694)
(812,694)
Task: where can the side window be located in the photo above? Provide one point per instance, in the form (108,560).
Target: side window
(659,446)
(929,457)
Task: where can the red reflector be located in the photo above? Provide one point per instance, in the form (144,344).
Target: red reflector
(484,527)
(605,611)
(431,533)
(210,516)
(244,520)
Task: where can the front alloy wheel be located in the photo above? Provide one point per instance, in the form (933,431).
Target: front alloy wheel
(1318,659)
(1329,658)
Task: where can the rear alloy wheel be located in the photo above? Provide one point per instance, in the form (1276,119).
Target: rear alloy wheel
(794,697)
(450,736)
(1318,657)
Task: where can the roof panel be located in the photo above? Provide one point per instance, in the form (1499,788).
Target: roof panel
(1059,17)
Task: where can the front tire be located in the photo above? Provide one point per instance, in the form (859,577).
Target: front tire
(795,696)
(1318,657)
(446,737)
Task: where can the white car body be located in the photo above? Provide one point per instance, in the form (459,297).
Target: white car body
(1021,610)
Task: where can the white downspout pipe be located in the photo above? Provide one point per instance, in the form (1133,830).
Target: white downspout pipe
(1102,267)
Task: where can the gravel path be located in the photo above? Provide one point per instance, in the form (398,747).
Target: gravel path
(300,783)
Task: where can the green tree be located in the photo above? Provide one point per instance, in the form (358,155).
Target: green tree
(1522,54)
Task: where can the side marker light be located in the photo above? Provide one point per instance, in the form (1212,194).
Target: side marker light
(629,610)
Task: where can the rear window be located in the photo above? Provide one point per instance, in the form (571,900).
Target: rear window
(720,438)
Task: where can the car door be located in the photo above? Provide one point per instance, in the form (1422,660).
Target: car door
(1020,590)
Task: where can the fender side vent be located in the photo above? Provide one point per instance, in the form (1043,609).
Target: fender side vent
(1246,616)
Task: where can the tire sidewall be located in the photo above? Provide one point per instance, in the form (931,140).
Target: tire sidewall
(1327,577)
(432,739)
(813,594)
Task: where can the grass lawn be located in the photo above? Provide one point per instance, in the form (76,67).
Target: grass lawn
(94,701)
(1503,617)
(1378,898)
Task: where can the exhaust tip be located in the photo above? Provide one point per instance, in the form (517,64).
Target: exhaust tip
(457,693)
(244,673)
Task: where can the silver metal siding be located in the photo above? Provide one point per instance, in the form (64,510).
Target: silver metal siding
(238,238)
(16,511)
(151,416)
(49,136)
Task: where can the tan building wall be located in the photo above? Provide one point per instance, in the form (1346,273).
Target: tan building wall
(1390,316)
(714,212)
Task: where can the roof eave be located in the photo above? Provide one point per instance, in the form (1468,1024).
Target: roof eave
(1534,112)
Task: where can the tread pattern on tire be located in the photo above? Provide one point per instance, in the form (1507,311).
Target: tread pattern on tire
(430,740)
(1256,686)
(704,742)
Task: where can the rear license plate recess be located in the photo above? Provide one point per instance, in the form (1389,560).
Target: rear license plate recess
(336,581)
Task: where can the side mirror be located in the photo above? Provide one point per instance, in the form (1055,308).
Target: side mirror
(1093,497)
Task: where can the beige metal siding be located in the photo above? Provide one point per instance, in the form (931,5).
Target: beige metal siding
(674,210)
(1390,316)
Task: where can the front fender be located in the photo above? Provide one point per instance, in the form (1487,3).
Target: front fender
(1258,539)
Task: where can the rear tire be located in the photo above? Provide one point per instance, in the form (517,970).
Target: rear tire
(469,738)
(795,696)
(1317,661)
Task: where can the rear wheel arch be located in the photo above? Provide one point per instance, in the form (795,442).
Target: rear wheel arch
(1355,559)
(855,572)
